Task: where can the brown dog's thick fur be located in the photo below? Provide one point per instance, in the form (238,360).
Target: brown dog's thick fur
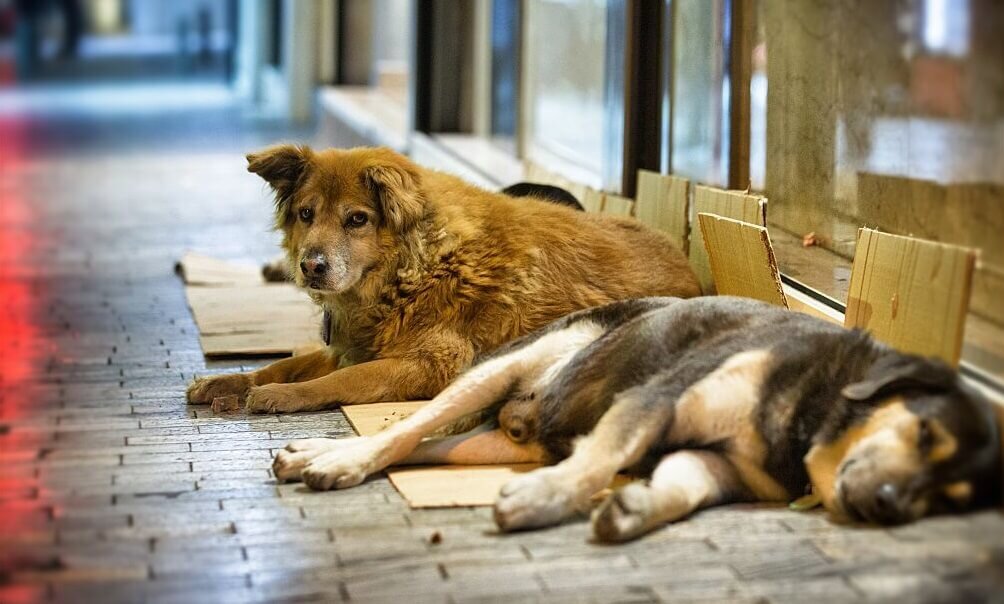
(423,273)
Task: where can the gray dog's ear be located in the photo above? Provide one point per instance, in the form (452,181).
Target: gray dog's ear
(282,167)
(895,372)
(396,187)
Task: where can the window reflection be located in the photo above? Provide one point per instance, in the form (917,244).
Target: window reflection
(946,27)
(700,91)
(884,114)
(565,70)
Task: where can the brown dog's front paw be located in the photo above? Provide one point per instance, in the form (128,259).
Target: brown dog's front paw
(203,390)
(275,398)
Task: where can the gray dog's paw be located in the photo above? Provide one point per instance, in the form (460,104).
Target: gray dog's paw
(624,515)
(538,499)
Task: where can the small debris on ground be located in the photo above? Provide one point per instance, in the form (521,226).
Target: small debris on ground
(809,239)
(435,538)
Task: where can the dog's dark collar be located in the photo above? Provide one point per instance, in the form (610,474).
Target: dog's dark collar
(326,327)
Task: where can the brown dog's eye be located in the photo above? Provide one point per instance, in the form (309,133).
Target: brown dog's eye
(357,219)
(306,214)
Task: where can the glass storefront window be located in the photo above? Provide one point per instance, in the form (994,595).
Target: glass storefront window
(699,91)
(565,87)
(888,115)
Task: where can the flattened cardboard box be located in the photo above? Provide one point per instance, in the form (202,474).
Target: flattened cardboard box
(663,203)
(440,486)
(736,205)
(617,205)
(910,293)
(741,259)
(242,320)
(199,269)
(238,314)
(433,486)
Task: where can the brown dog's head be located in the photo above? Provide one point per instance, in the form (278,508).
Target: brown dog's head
(339,209)
(925,443)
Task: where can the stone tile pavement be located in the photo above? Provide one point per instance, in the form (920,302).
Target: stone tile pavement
(113,490)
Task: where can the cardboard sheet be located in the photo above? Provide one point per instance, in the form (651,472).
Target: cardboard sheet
(433,486)
(910,293)
(253,320)
(618,205)
(238,314)
(592,200)
(736,205)
(454,486)
(373,417)
(439,486)
(198,269)
(741,259)
(663,203)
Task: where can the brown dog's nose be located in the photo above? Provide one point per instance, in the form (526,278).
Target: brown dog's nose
(313,265)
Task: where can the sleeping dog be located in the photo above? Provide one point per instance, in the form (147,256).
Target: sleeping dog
(714,400)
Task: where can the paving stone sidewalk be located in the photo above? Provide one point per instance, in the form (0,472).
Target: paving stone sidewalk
(112,489)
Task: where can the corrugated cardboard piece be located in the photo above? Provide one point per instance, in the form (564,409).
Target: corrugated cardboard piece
(592,200)
(910,293)
(454,486)
(729,204)
(617,205)
(433,486)
(663,203)
(439,486)
(373,417)
(198,269)
(238,314)
(250,320)
(741,259)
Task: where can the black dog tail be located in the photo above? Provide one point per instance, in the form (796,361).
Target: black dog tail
(546,192)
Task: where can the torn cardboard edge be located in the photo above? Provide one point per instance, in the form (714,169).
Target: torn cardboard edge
(741,259)
(737,205)
(911,293)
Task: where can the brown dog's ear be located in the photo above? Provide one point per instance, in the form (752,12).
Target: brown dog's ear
(396,189)
(896,371)
(282,167)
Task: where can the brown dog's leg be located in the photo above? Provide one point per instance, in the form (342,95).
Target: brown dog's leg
(304,367)
(682,483)
(371,382)
(300,368)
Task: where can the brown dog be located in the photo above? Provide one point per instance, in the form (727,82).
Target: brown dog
(423,273)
